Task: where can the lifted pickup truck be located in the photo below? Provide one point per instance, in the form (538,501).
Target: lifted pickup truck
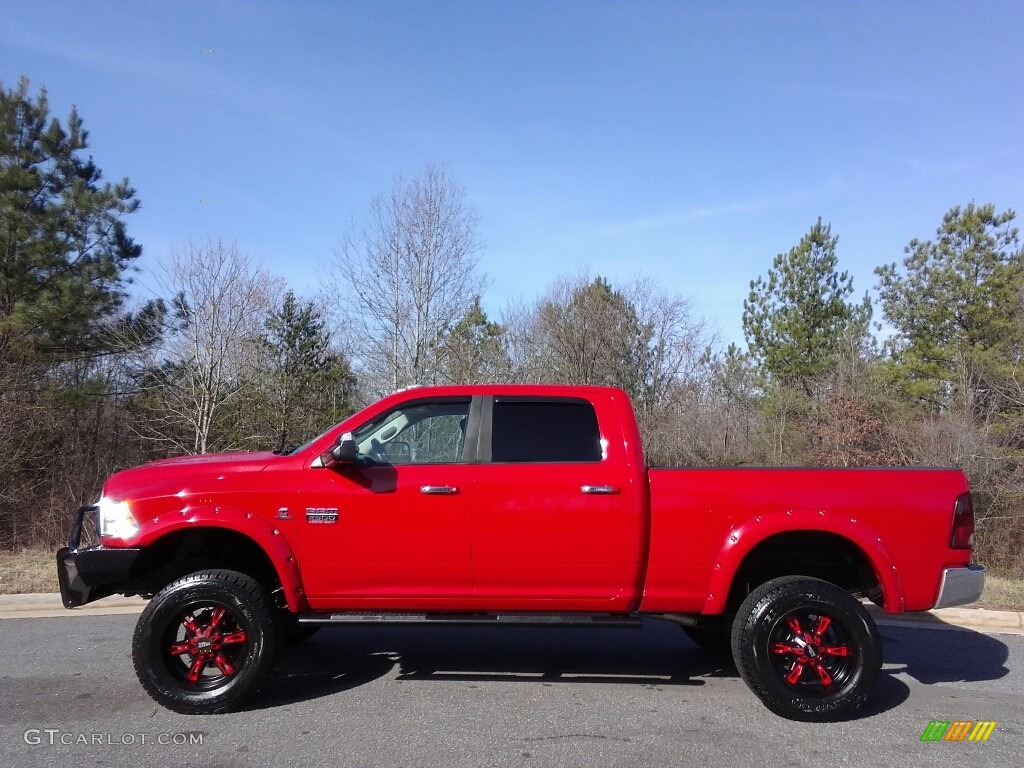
(516,504)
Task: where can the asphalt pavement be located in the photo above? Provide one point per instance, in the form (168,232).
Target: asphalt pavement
(452,697)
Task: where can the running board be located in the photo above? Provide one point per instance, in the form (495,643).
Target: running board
(475,619)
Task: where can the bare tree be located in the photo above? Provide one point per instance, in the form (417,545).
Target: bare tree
(408,277)
(675,341)
(719,419)
(522,342)
(640,338)
(221,298)
(585,331)
(672,400)
(581,331)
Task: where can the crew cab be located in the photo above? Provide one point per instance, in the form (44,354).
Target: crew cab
(516,504)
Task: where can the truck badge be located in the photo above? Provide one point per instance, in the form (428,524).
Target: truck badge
(323,515)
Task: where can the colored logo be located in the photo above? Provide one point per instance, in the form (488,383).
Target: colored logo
(958,730)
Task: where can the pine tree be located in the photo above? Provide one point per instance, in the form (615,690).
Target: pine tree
(309,386)
(473,350)
(956,308)
(796,321)
(65,337)
(64,246)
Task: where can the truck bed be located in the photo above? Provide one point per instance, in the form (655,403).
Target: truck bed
(705,521)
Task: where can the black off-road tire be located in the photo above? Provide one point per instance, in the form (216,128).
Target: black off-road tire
(205,642)
(807,649)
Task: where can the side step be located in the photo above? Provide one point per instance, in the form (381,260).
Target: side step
(622,621)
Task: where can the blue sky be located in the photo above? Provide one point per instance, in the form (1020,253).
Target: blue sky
(687,141)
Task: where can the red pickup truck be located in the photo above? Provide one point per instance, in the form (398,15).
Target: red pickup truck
(516,504)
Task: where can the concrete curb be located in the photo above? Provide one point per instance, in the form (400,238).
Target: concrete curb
(43,605)
(981,619)
(49,606)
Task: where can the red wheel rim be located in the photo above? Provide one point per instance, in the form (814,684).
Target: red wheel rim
(205,646)
(812,652)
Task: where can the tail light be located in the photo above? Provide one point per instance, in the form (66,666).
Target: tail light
(962,534)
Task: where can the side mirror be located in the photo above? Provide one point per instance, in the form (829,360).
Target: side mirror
(344,452)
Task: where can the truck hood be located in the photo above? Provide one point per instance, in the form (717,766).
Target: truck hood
(252,461)
(181,473)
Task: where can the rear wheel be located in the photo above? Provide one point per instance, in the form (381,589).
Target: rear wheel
(806,648)
(204,642)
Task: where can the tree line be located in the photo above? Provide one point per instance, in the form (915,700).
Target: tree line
(94,378)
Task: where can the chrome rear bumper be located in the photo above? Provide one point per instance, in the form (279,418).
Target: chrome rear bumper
(960,586)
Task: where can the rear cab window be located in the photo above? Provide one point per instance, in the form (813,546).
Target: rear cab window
(545,430)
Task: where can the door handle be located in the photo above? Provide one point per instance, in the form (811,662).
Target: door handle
(600,490)
(439,490)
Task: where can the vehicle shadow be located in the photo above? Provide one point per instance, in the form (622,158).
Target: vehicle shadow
(889,693)
(304,673)
(940,654)
(339,659)
(658,654)
(933,654)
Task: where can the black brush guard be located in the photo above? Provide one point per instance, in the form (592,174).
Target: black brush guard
(89,574)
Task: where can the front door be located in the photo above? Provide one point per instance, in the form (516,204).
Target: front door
(392,530)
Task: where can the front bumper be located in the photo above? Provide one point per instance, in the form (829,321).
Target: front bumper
(960,586)
(94,572)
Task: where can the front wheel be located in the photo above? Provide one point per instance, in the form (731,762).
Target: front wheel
(806,648)
(204,642)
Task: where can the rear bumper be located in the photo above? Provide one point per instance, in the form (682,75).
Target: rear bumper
(960,586)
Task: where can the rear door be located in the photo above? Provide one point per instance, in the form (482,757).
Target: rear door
(556,521)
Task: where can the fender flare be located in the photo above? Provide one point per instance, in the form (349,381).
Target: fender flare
(742,539)
(263,533)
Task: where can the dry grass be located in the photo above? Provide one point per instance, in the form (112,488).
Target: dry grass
(31,570)
(1002,594)
(35,570)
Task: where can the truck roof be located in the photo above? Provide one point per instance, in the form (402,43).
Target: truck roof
(538,390)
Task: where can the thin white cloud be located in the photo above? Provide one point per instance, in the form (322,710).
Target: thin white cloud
(942,167)
(187,73)
(684,216)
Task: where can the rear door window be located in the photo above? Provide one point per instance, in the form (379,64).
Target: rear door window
(550,430)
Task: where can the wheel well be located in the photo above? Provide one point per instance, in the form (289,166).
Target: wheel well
(818,554)
(194,549)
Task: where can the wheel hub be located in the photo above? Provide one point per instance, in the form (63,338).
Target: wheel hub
(812,658)
(211,648)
